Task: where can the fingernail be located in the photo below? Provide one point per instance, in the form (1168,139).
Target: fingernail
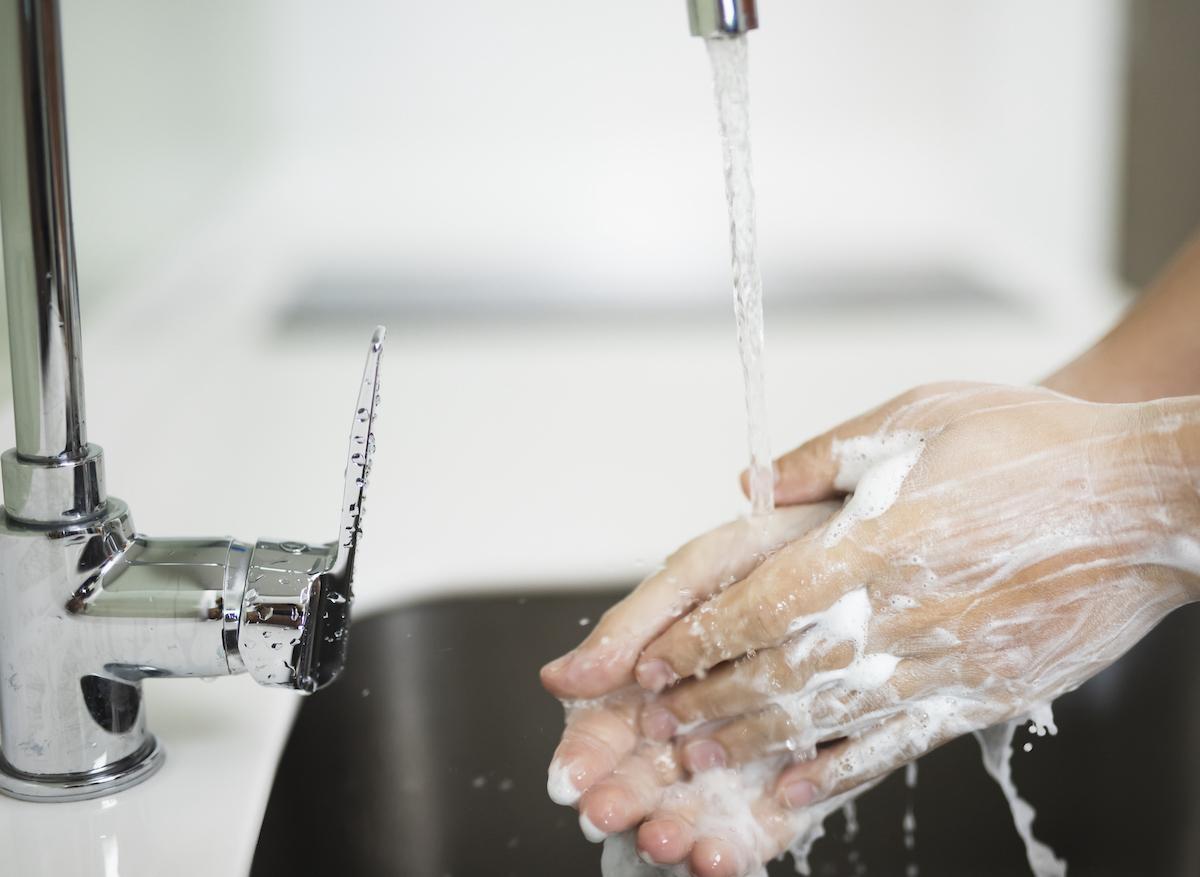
(590,831)
(798,793)
(655,675)
(704,755)
(718,857)
(658,723)
(556,667)
(560,784)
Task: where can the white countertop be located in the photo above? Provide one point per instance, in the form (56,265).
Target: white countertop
(532,457)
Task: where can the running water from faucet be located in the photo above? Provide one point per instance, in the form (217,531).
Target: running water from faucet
(730,68)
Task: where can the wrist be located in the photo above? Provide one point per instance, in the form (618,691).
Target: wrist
(1111,373)
(1169,440)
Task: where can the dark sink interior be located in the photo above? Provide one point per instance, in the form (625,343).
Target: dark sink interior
(429,758)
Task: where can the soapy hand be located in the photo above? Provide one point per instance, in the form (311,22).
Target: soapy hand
(998,547)
(600,735)
(604,765)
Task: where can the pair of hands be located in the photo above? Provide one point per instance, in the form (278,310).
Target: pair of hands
(998,547)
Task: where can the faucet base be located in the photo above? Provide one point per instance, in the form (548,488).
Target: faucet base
(83,786)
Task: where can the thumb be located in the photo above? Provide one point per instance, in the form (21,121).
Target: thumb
(810,472)
(604,662)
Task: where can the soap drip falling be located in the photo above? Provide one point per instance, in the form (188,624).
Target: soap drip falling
(909,823)
(730,66)
(996,745)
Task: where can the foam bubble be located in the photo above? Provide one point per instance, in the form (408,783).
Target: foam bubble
(874,469)
(590,830)
(559,786)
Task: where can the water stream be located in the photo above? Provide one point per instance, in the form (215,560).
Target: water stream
(730,81)
(620,857)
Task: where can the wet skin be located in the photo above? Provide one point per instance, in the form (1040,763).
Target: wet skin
(730,654)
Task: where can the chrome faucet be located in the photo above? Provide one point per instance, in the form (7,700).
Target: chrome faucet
(713,19)
(89,606)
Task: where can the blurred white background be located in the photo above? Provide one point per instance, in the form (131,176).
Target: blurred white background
(568,149)
(938,186)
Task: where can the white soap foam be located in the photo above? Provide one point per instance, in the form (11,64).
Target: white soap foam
(1041,720)
(724,797)
(620,858)
(874,469)
(856,455)
(870,671)
(722,801)
(846,621)
(1179,552)
(590,830)
(559,785)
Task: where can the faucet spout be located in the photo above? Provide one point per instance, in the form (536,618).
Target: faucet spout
(713,19)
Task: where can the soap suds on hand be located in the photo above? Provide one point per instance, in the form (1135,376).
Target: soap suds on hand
(873,469)
(559,786)
(590,830)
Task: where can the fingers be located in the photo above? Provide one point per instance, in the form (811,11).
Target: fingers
(823,466)
(856,761)
(744,740)
(604,661)
(749,827)
(682,833)
(718,857)
(800,724)
(809,473)
(742,687)
(594,742)
(666,839)
(624,798)
(786,593)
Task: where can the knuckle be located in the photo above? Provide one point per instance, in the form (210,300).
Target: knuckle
(685,554)
(672,642)
(686,702)
(837,657)
(735,737)
(911,396)
(770,669)
(925,403)
(934,389)
(764,621)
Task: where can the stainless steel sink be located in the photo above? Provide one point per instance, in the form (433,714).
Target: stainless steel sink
(429,759)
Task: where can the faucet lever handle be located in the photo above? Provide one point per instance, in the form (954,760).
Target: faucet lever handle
(295,608)
(358,460)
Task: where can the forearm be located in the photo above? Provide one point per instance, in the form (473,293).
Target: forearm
(1154,352)
(1167,458)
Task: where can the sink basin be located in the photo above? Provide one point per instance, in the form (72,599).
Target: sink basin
(429,758)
